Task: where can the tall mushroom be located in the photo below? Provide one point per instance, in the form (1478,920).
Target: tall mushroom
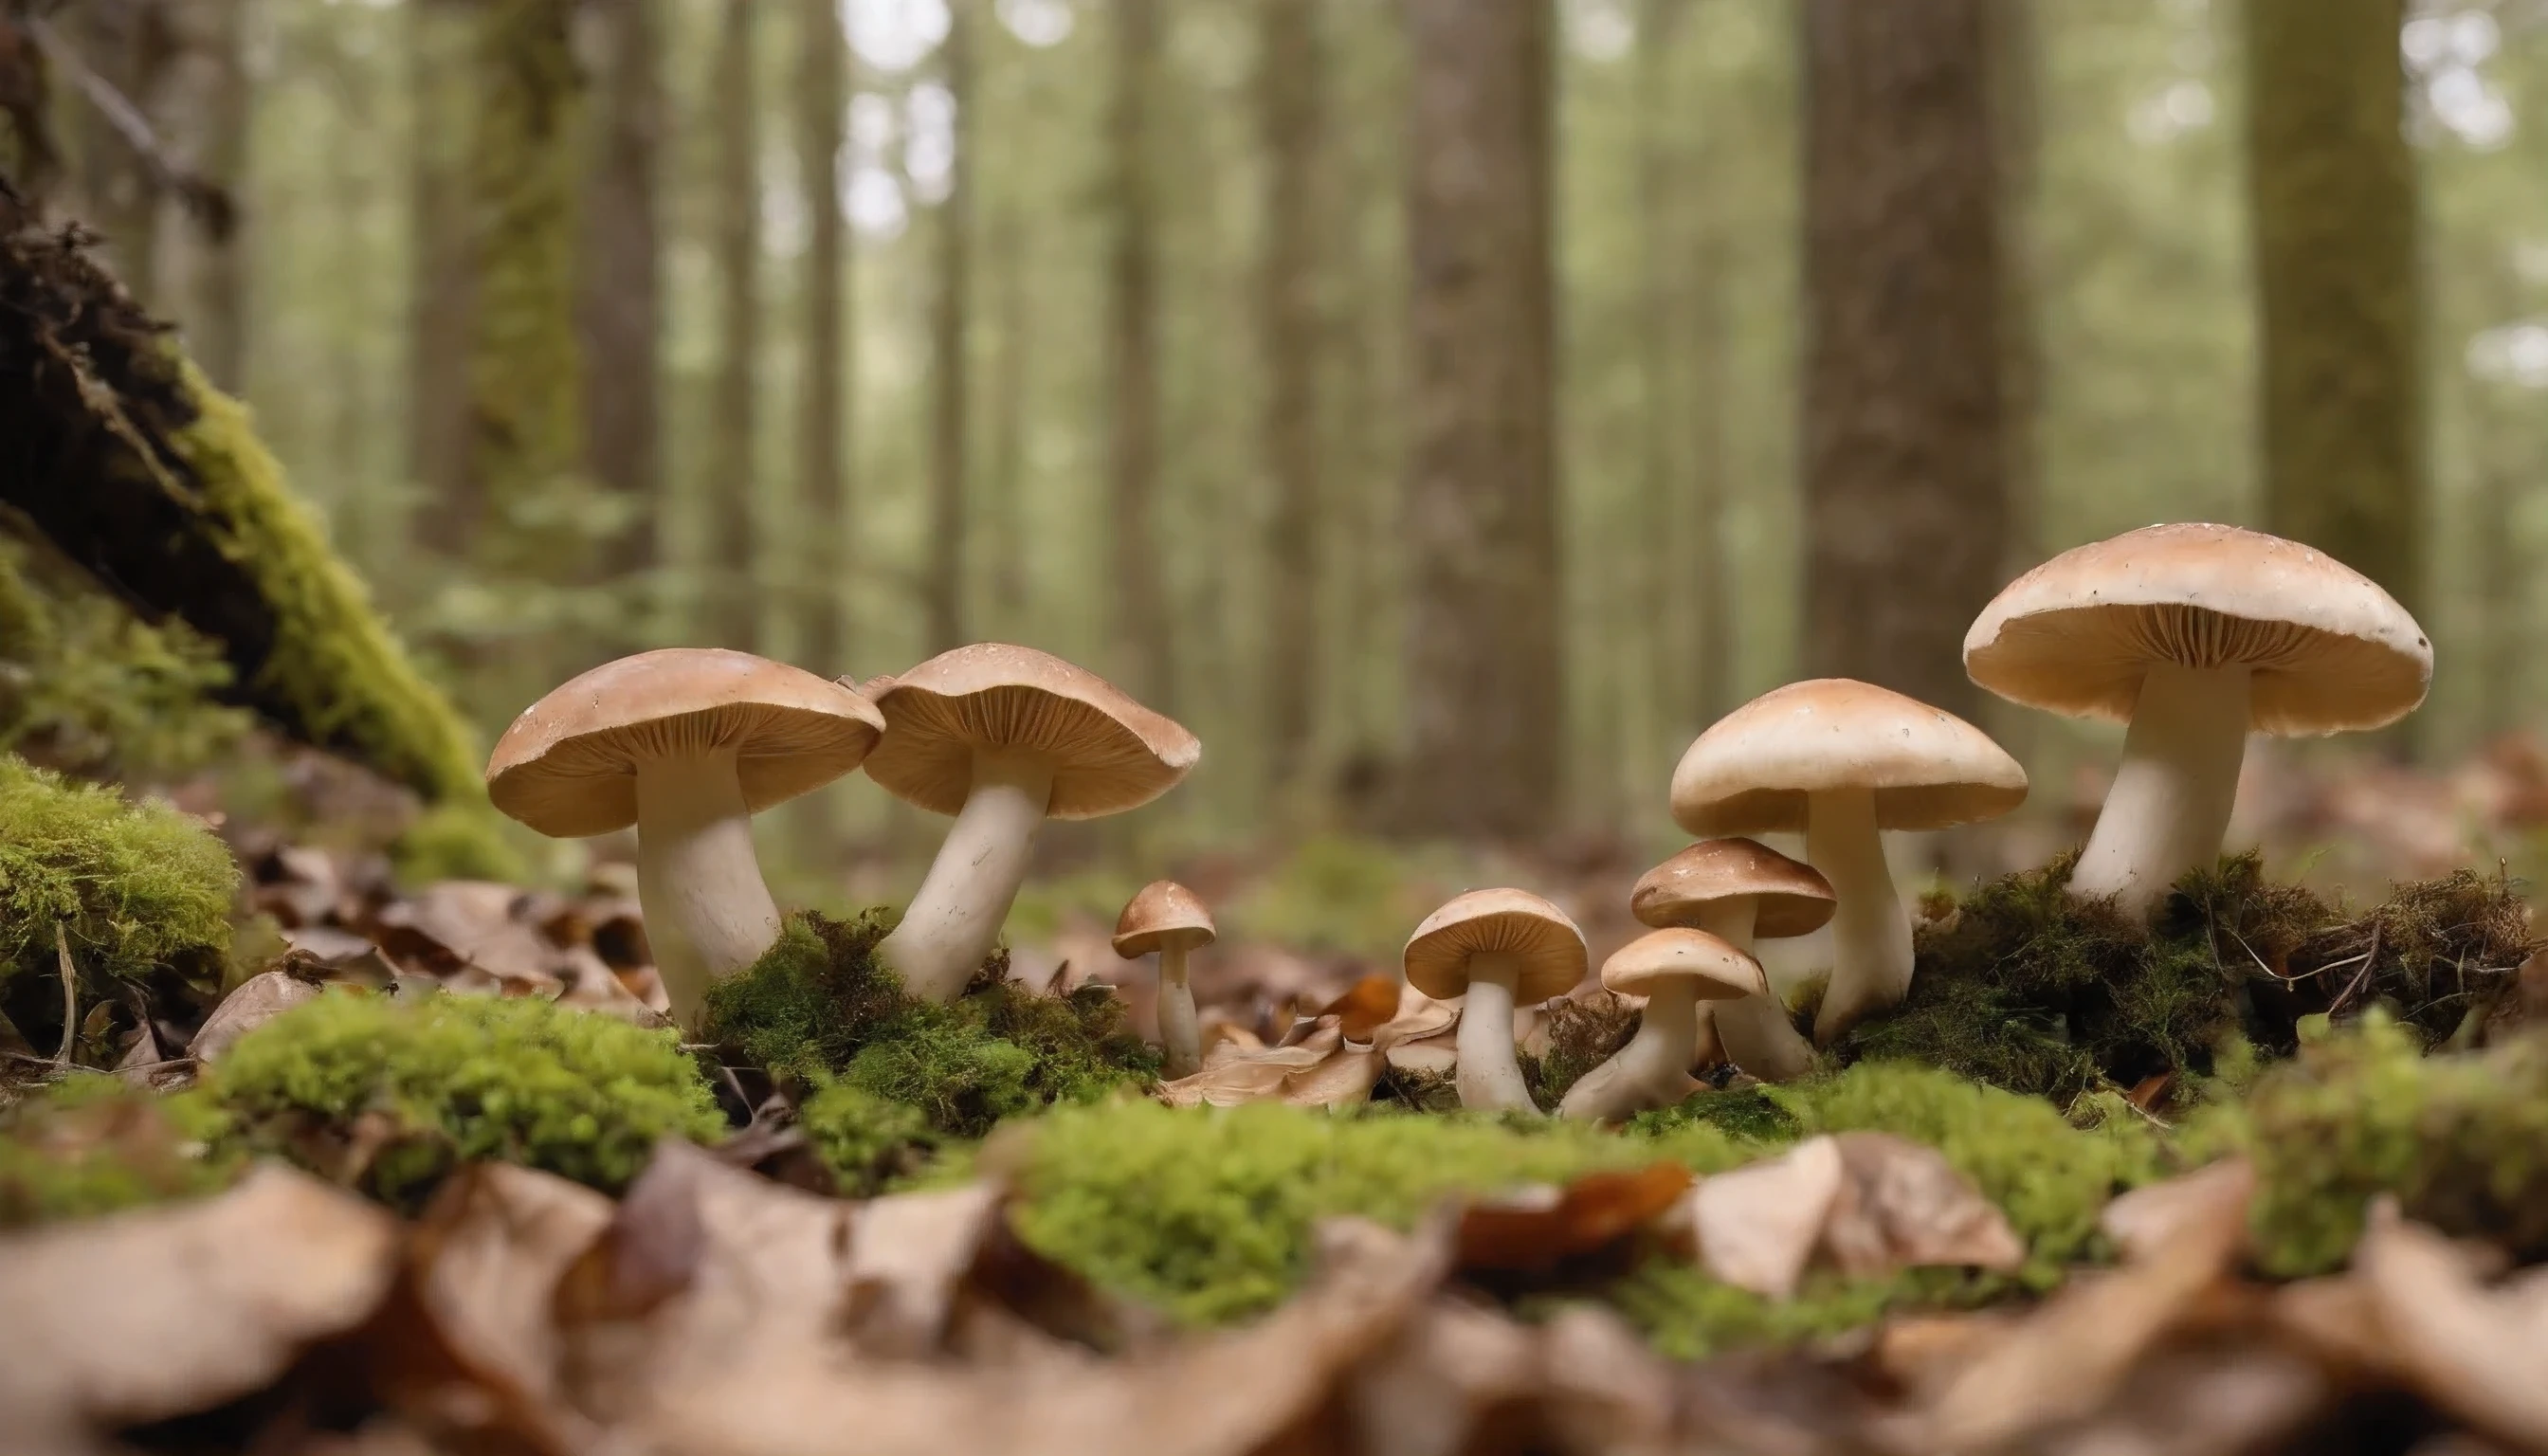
(1674,970)
(1167,918)
(1003,738)
(1497,949)
(2196,635)
(1841,760)
(1740,890)
(686,744)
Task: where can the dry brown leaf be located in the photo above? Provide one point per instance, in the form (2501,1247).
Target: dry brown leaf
(1757,1226)
(1903,1205)
(1537,1229)
(486,1257)
(1321,1071)
(908,1254)
(2145,1220)
(2335,1320)
(1606,1392)
(1425,1392)
(462,925)
(1437,1053)
(2478,1352)
(2213,1398)
(1366,1006)
(162,1312)
(1416,1018)
(257,1000)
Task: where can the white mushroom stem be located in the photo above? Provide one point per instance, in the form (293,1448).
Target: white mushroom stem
(1178,1034)
(1870,931)
(1490,1075)
(956,917)
(1653,1069)
(2174,789)
(707,912)
(1753,1030)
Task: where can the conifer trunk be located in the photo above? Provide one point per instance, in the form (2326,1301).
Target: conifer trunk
(732,597)
(828,556)
(949,518)
(1143,636)
(1291,125)
(621,300)
(200,111)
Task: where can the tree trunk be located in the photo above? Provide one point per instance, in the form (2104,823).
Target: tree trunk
(443,278)
(125,44)
(1144,642)
(1291,125)
(201,113)
(1657,539)
(731,597)
(1484,669)
(827,557)
(621,304)
(1904,448)
(2332,202)
(1009,371)
(948,334)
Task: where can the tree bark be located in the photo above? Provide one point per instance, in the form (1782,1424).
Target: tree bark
(949,523)
(1145,642)
(2332,204)
(732,598)
(1291,128)
(125,44)
(201,112)
(620,308)
(443,274)
(1904,434)
(1014,307)
(1484,670)
(827,557)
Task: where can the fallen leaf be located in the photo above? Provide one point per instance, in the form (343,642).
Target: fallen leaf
(162,1312)
(257,1000)
(1321,1071)
(2145,1220)
(1416,1018)
(486,1256)
(1606,1392)
(1536,1231)
(1428,1390)
(459,926)
(1903,1205)
(908,1254)
(2478,1352)
(1757,1226)
(1365,1007)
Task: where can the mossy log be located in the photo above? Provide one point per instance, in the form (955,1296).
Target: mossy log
(156,484)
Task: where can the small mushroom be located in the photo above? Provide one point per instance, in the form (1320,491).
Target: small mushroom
(1674,969)
(1740,890)
(2196,635)
(1167,918)
(686,744)
(1495,949)
(1841,760)
(1003,738)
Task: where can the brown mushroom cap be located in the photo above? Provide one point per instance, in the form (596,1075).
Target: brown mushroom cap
(567,765)
(1794,898)
(1513,922)
(2330,652)
(1109,753)
(1753,770)
(1719,972)
(1164,914)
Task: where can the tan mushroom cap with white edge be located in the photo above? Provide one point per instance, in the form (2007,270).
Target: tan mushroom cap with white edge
(2330,651)
(1109,753)
(1165,913)
(1791,897)
(1511,922)
(567,767)
(1753,771)
(1717,970)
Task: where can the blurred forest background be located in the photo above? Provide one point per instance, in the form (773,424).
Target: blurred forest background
(1445,408)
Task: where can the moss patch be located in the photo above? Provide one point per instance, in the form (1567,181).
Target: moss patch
(135,888)
(390,1096)
(89,1146)
(1582,1034)
(868,1142)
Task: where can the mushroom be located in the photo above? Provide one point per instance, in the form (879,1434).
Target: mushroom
(2196,635)
(686,744)
(1740,890)
(1167,918)
(1841,760)
(1674,969)
(1496,948)
(1003,738)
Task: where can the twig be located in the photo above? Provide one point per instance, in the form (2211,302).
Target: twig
(205,198)
(2368,959)
(70,995)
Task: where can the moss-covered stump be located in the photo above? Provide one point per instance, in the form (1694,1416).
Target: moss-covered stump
(388,1096)
(2022,987)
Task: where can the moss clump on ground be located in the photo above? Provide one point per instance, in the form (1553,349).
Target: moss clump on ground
(457,840)
(390,1095)
(2021,986)
(2461,1138)
(868,1142)
(1582,1034)
(89,1144)
(134,888)
(818,1007)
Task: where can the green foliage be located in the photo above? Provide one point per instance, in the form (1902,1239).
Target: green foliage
(135,888)
(1687,1315)
(456,1078)
(867,1141)
(2461,1138)
(459,840)
(1750,1113)
(1044,906)
(89,1144)
(1336,893)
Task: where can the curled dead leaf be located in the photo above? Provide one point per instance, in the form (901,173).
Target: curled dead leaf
(257,1000)
(1365,1007)
(1321,1069)
(1539,1228)
(1757,1226)
(2211,1201)
(1903,1205)
(2476,1351)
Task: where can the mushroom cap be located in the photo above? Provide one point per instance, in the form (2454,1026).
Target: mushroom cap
(1164,914)
(1794,898)
(1720,972)
(1753,770)
(567,765)
(2330,652)
(1513,922)
(1109,753)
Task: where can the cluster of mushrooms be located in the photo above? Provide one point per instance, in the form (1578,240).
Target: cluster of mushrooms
(2195,635)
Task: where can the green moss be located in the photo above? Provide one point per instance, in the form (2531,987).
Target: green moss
(89,1144)
(1335,894)
(135,888)
(1687,1316)
(454,1078)
(460,840)
(868,1142)
(1750,1113)
(2461,1138)
(1582,1034)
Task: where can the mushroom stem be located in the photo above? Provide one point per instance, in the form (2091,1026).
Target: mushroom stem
(707,912)
(1753,1030)
(1870,931)
(2174,789)
(1178,1034)
(955,916)
(1488,1075)
(1652,1069)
